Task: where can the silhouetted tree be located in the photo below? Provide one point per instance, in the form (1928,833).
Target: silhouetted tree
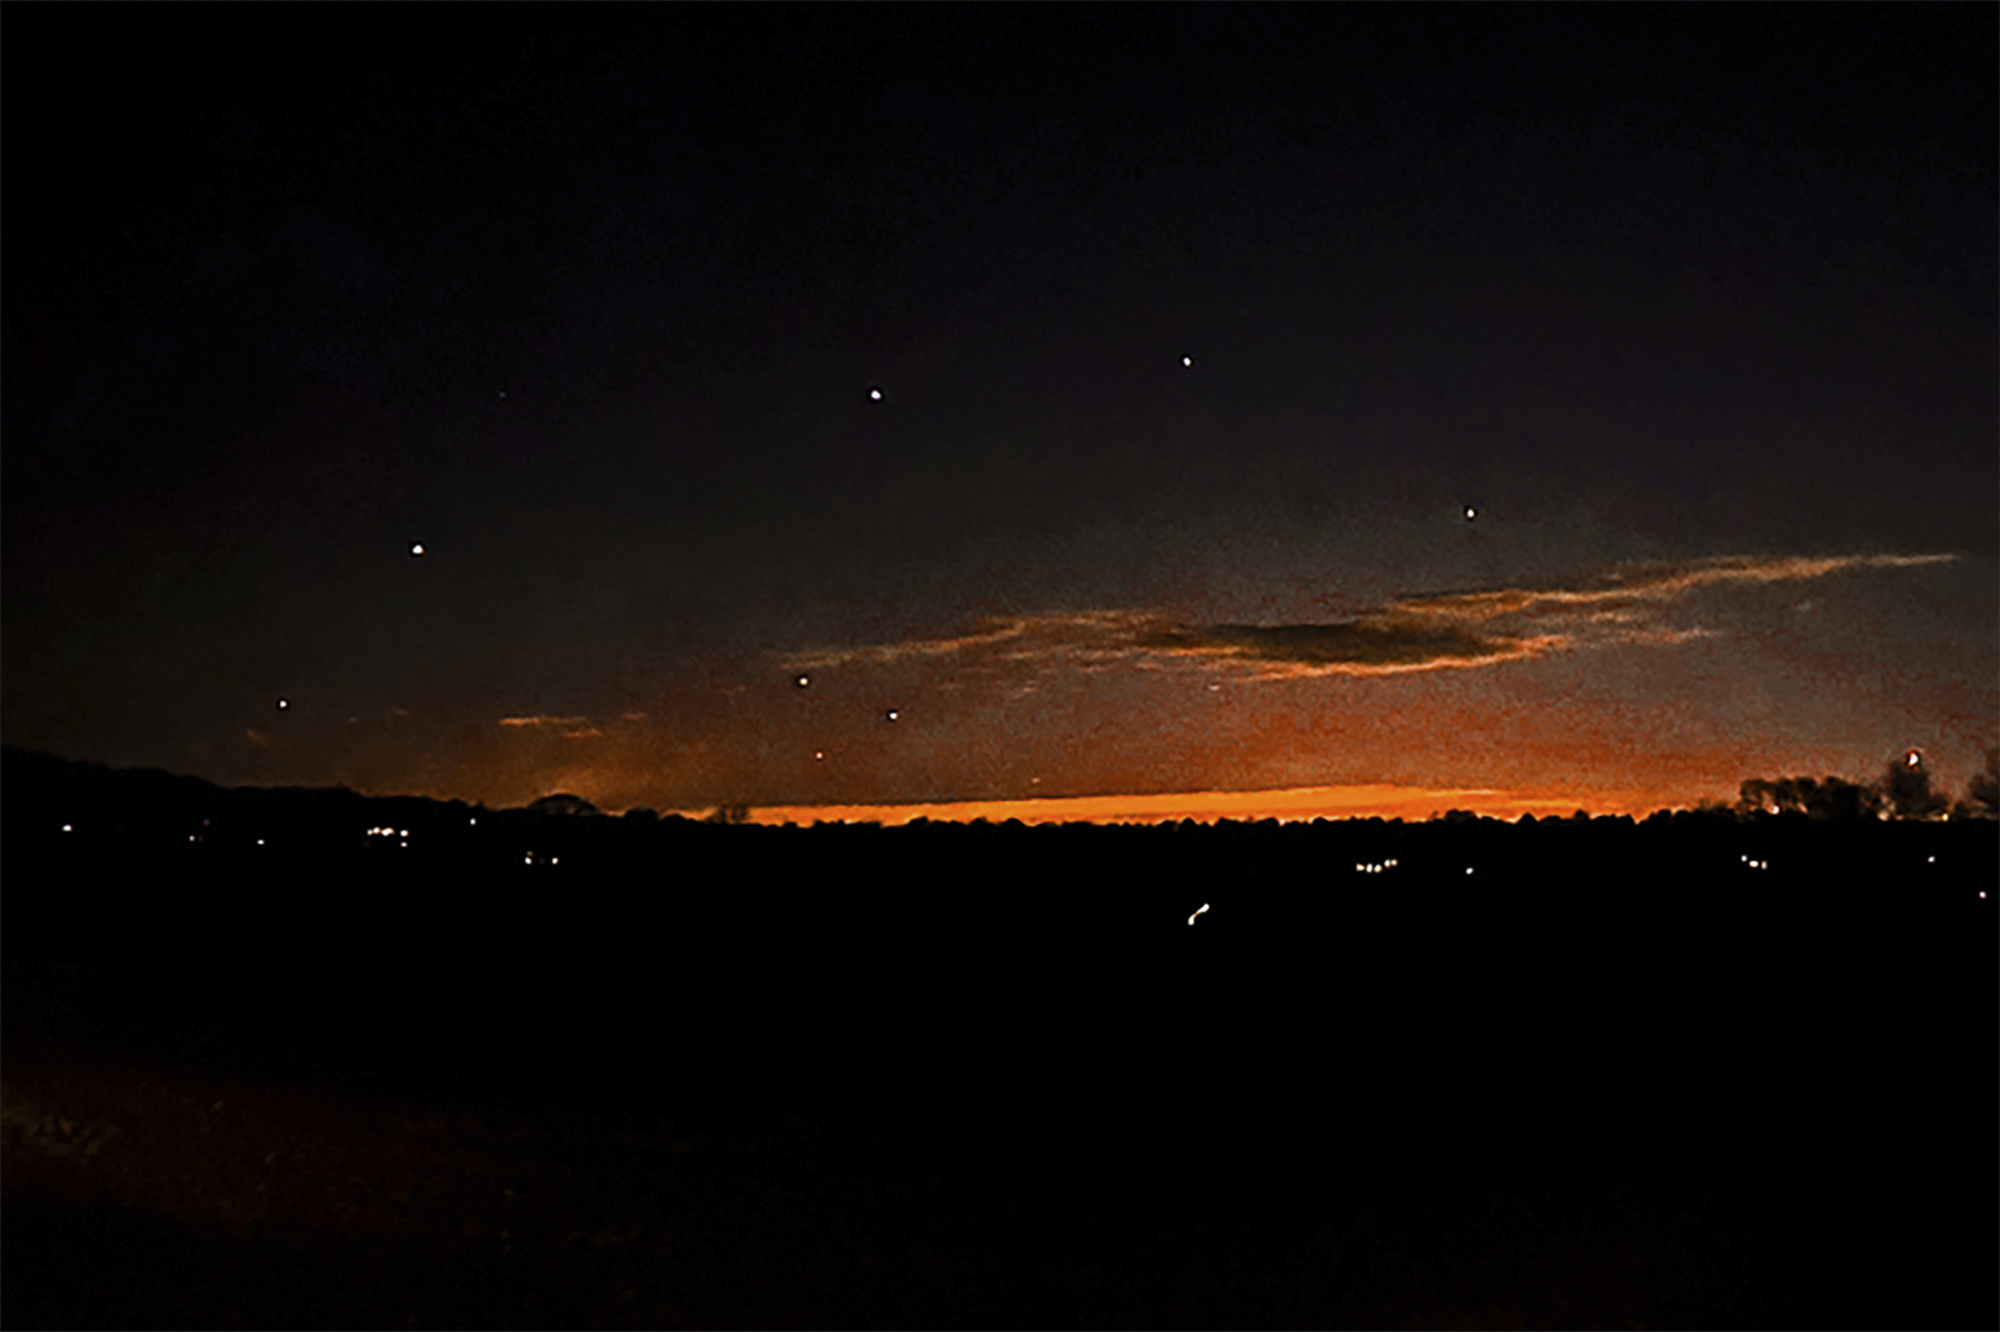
(1982,793)
(1907,788)
(730,814)
(563,803)
(1830,798)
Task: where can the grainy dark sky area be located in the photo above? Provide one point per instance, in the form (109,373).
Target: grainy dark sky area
(1196,332)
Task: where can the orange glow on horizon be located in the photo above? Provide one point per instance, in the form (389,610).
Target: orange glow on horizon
(1289,805)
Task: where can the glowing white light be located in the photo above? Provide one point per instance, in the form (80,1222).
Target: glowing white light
(1468,869)
(874,395)
(417,548)
(803,681)
(1982,892)
(555,860)
(68,828)
(1930,860)
(474,822)
(1203,907)
(260,841)
(284,703)
(894,714)
(1187,360)
(819,753)
(1470,513)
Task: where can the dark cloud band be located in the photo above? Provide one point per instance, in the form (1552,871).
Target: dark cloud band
(1435,631)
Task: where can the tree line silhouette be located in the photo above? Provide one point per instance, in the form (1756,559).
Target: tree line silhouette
(1903,791)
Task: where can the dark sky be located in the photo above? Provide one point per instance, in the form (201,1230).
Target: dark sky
(1197,330)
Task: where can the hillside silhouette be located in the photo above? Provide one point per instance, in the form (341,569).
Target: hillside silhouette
(1724,1066)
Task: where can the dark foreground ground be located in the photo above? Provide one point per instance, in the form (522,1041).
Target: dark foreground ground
(714,1077)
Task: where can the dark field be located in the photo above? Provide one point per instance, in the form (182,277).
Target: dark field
(714,1075)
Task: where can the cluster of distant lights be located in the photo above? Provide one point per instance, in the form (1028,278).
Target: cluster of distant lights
(1361,867)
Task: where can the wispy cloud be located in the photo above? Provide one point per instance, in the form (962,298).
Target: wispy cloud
(1427,632)
(570,728)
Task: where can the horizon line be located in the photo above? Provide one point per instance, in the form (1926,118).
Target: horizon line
(1285,804)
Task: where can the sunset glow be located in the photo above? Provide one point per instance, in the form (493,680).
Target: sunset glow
(1286,806)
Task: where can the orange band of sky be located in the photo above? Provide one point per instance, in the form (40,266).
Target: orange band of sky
(1297,803)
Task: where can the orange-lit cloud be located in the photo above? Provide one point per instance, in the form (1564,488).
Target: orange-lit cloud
(570,728)
(1415,633)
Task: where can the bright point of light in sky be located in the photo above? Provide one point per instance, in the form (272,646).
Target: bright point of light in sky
(416,549)
(1203,907)
(819,753)
(1187,360)
(1470,513)
(68,828)
(803,681)
(893,714)
(874,395)
(284,703)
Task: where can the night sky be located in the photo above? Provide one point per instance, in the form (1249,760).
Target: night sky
(845,406)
